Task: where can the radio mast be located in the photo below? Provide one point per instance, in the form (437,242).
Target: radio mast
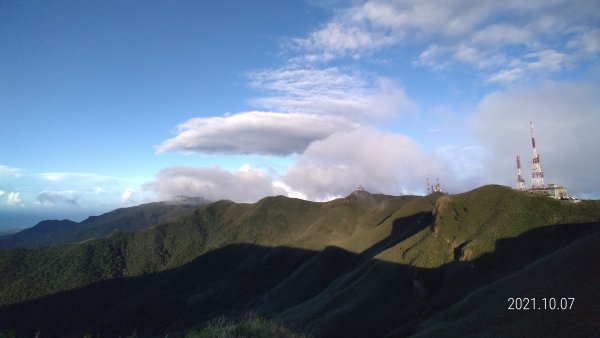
(520,179)
(537,175)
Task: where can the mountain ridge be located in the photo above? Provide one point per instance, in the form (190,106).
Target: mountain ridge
(362,265)
(54,232)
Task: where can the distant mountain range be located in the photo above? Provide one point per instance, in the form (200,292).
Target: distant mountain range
(53,232)
(9,231)
(361,266)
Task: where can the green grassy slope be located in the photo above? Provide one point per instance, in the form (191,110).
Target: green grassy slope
(375,297)
(271,221)
(569,272)
(31,273)
(364,265)
(248,326)
(441,259)
(467,225)
(53,232)
(287,221)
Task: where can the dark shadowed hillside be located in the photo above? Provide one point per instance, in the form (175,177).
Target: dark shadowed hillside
(361,266)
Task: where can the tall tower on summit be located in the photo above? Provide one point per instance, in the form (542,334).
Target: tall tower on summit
(537,175)
(438,187)
(520,179)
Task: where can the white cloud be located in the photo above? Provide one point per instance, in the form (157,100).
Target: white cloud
(383,162)
(50,198)
(213,183)
(502,34)
(506,76)
(586,42)
(565,115)
(126,195)
(330,91)
(58,179)
(377,24)
(263,133)
(548,59)
(338,38)
(489,35)
(431,57)
(13,198)
(532,64)
(6,170)
(288,190)
(64,190)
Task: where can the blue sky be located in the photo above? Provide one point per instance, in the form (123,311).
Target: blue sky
(114,103)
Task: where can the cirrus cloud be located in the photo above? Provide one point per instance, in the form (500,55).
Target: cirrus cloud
(330,91)
(506,41)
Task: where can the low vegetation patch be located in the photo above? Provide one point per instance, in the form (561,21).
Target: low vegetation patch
(248,326)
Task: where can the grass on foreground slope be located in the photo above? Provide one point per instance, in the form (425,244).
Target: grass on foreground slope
(248,326)
(375,297)
(461,249)
(569,272)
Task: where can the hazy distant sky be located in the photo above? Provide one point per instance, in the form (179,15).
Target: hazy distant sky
(113,103)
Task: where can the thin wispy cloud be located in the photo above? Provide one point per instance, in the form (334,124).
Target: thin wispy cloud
(330,91)
(504,41)
(7,170)
(72,176)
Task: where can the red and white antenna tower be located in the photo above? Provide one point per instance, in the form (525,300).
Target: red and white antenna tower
(537,175)
(438,187)
(520,179)
(429,190)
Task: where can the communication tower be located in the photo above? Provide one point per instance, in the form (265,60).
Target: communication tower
(537,175)
(429,190)
(438,187)
(520,179)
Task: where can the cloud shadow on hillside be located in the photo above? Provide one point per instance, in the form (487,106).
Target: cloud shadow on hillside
(339,290)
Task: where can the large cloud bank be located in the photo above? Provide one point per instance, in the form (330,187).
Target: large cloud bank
(213,183)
